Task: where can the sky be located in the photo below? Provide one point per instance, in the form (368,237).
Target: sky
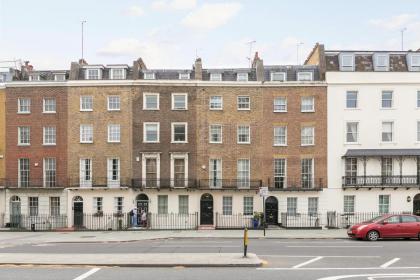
(172,33)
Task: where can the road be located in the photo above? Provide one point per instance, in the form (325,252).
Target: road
(284,259)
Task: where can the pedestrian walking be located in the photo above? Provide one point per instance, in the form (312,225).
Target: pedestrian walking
(143,218)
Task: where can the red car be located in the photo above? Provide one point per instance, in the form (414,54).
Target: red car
(387,226)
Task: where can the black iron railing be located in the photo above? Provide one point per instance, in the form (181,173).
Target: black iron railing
(345,220)
(39,222)
(163,183)
(301,220)
(229,184)
(290,184)
(380,181)
(234,221)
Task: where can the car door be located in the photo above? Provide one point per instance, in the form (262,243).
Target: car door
(410,226)
(391,227)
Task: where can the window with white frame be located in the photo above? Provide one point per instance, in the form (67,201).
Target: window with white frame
(304,76)
(307,136)
(244,103)
(349,204)
(86,133)
(24,136)
(381,62)
(216,102)
(279,173)
(418,131)
(307,104)
(149,76)
(50,171)
(49,137)
(162,204)
(244,134)
(23,172)
(215,173)
(387,167)
(59,77)
(351,171)
(113,167)
(117,74)
(384,204)
(248,205)
(347,62)
(114,103)
(54,206)
(183,204)
(280,136)
(292,205)
(179,101)
(387,100)
(216,77)
(179,132)
(352,132)
(24,105)
(85,172)
(118,204)
(243,173)
(151,132)
(227,205)
(49,105)
(351,99)
(114,133)
(215,133)
(34,77)
(280,104)
(93,74)
(86,103)
(312,205)
(184,76)
(179,170)
(242,77)
(307,173)
(418,99)
(98,204)
(278,76)
(387,131)
(33,206)
(151,170)
(150,101)
(415,60)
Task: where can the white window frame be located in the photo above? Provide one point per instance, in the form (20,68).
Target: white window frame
(185,124)
(347,205)
(418,99)
(273,74)
(33,206)
(98,204)
(348,132)
(82,97)
(215,173)
(111,182)
(302,135)
(145,124)
(227,205)
(382,205)
(392,99)
(89,77)
(44,105)
(292,205)
(149,94)
(34,77)
(85,183)
(249,134)
(110,133)
(381,67)
(216,108)
(285,136)
(149,76)
(20,111)
(210,134)
(177,155)
(118,204)
(243,182)
(302,74)
(312,173)
(44,131)
(313,205)
(248,205)
(348,67)
(413,56)
(82,136)
(347,99)
(26,163)
(240,77)
(238,103)
(185,95)
(20,143)
(282,166)
(313,104)
(57,79)
(418,131)
(285,104)
(184,76)
(392,131)
(145,157)
(112,74)
(55,205)
(183,204)
(44,172)
(109,98)
(214,75)
(162,204)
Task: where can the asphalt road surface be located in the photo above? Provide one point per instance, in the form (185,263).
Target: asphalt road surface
(284,259)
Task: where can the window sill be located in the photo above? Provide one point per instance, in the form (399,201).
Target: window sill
(222,142)
(179,142)
(351,143)
(307,145)
(279,111)
(244,109)
(23,113)
(352,109)
(55,144)
(243,143)
(113,142)
(87,110)
(388,143)
(174,109)
(151,109)
(114,110)
(24,145)
(213,109)
(308,111)
(86,142)
(279,145)
(387,109)
(50,112)
(151,142)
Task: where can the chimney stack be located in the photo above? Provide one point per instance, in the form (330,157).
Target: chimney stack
(74,71)
(138,65)
(198,69)
(258,64)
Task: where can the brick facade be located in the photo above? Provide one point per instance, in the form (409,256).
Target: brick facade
(2,135)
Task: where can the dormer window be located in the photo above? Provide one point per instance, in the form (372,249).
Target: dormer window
(184,76)
(117,74)
(413,60)
(278,76)
(242,77)
(346,62)
(381,62)
(216,77)
(59,77)
(149,76)
(304,76)
(93,74)
(34,78)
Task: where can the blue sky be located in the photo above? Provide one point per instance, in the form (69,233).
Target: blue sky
(169,33)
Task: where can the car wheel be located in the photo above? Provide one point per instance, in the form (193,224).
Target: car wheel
(372,235)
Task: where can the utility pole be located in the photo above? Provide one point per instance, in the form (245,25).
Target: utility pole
(402,37)
(297,52)
(250,43)
(83,22)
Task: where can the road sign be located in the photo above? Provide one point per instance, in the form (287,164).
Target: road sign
(264,191)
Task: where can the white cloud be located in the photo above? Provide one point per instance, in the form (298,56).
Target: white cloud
(395,22)
(134,11)
(168,5)
(211,16)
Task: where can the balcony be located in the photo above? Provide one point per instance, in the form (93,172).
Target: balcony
(163,183)
(205,184)
(380,181)
(99,182)
(32,183)
(292,184)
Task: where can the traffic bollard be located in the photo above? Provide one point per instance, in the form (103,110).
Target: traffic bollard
(245,241)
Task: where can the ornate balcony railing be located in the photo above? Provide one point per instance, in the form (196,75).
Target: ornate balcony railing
(293,184)
(229,184)
(163,183)
(33,183)
(99,182)
(380,181)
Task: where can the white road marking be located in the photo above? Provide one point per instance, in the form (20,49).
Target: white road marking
(334,246)
(370,276)
(385,265)
(337,268)
(294,256)
(195,246)
(307,262)
(87,274)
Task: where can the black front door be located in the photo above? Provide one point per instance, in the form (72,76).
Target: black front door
(78,214)
(271,210)
(416,205)
(142,205)
(206,209)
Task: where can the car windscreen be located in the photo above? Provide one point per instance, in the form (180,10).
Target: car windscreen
(374,220)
